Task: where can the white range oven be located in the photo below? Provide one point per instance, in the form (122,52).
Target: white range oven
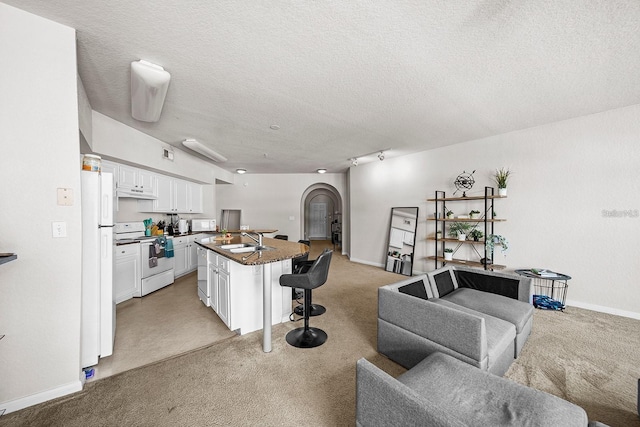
(157,268)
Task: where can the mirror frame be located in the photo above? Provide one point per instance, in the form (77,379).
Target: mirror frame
(403,226)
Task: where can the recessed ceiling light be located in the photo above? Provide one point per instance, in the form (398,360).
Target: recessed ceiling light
(321,171)
(274,127)
(241,171)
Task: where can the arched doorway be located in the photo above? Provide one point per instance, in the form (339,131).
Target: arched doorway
(321,209)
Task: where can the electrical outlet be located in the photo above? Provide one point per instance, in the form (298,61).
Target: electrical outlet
(59,229)
(65,197)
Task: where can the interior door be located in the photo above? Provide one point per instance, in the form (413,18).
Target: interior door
(318,226)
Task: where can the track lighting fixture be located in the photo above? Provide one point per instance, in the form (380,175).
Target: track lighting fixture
(354,161)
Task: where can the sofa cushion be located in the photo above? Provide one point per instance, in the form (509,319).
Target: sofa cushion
(513,311)
(442,281)
(500,333)
(477,397)
(416,289)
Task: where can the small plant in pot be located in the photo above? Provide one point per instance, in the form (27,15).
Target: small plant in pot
(496,239)
(459,230)
(476,234)
(501,177)
(448,254)
(449,214)
(474,214)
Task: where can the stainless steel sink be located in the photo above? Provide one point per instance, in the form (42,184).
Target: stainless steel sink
(249,248)
(236,246)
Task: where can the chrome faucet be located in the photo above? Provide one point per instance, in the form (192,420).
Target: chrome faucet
(258,240)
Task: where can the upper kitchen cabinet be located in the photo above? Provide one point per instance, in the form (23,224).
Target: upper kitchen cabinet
(135,181)
(173,196)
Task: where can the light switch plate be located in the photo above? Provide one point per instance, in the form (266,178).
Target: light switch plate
(65,197)
(59,229)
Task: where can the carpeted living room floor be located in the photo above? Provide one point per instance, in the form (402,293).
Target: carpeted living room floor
(588,358)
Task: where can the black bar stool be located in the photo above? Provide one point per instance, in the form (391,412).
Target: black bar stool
(315,276)
(300,266)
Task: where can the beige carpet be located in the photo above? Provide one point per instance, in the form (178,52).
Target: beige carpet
(588,358)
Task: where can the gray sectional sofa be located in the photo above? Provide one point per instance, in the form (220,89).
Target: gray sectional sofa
(480,317)
(443,391)
(457,330)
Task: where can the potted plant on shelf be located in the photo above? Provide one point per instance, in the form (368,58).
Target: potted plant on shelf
(438,235)
(459,230)
(476,234)
(448,254)
(449,214)
(496,239)
(474,214)
(501,176)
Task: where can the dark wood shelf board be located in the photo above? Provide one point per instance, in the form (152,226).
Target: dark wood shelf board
(469,263)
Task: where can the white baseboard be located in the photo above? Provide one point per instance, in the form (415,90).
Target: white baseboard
(361,261)
(34,399)
(603,309)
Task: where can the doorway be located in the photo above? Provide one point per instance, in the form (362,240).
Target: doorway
(321,210)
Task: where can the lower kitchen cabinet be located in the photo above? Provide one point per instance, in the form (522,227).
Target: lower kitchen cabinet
(186,257)
(126,280)
(236,292)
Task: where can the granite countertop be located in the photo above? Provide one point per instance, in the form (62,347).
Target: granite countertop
(282,249)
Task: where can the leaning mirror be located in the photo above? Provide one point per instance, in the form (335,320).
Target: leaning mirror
(402,233)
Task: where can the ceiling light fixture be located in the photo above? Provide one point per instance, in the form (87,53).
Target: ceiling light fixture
(194,145)
(321,171)
(149,84)
(381,156)
(241,171)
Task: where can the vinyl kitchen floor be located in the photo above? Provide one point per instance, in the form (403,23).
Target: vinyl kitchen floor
(160,325)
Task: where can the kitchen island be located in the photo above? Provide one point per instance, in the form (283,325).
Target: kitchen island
(243,286)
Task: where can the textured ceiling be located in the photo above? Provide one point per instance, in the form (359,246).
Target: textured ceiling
(346,78)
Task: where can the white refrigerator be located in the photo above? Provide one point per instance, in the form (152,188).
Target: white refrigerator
(98,305)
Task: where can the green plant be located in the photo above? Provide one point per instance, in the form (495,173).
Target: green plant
(501,176)
(449,213)
(476,234)
(457,228)
(474,212)
(448,250)
(496,239)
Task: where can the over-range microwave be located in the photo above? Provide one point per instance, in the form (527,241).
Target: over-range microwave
(202,224)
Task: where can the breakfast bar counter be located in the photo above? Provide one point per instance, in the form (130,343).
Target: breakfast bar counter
(240,280)
(278,250)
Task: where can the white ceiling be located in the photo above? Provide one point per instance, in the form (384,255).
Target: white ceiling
(347,78)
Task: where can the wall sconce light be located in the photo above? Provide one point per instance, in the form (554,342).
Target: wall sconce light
(381,156)
(194,145)
(149,84)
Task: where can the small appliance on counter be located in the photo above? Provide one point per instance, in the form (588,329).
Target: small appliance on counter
(183,227)
(203,224)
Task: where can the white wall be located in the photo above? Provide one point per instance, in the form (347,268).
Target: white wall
(565,175)
(40,291)
(268,200)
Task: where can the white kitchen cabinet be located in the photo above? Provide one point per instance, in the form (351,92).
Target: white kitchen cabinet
(126,280)
(173,196)
(185,254)
(180,255)
(195,198)
(192,261)
(224,300)
(136,180)
(236,292)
